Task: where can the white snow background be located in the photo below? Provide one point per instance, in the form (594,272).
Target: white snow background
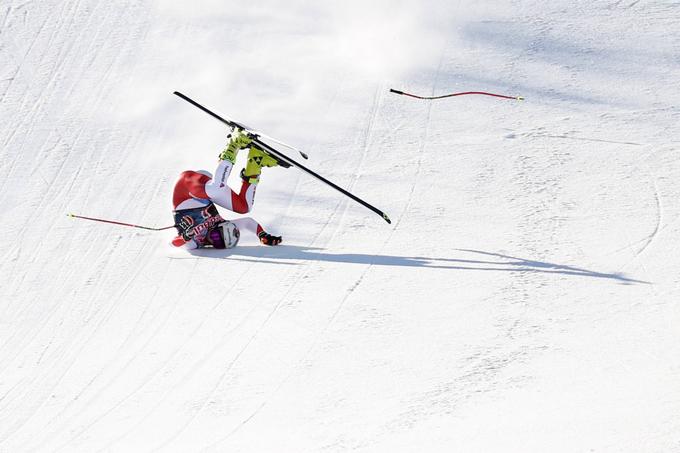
(524,299)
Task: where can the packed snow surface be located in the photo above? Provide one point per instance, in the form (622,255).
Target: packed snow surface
(524,299)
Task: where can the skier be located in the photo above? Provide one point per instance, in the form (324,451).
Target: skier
(197,220)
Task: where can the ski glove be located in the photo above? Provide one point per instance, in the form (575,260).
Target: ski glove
(268,239)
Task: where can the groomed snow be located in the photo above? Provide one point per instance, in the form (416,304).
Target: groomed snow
(524,299)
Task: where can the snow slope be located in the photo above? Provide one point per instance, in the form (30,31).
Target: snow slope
(524,299)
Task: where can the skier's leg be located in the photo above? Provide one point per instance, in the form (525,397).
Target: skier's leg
(242,202)
(221,194)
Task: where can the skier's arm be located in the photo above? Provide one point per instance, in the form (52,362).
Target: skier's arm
(251,225)
(248,224)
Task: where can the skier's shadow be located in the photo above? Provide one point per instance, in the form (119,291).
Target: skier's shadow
(478,261)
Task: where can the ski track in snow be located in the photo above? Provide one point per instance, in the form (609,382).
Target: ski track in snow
(352,335)
(659,217)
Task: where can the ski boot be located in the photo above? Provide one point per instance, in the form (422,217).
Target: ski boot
(256,160)
(238,140)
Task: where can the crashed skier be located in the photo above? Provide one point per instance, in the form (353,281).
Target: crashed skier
(197,220)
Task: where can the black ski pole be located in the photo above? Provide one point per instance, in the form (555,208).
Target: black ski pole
(115,222)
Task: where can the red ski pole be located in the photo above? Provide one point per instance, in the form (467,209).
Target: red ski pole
(120,223)
(465,93)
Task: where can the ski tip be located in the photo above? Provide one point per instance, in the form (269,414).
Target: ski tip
(520,98)
(392,90)
(69,215)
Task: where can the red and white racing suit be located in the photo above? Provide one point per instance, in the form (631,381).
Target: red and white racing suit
(198,190)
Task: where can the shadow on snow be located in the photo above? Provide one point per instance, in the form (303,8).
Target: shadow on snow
(486,261)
